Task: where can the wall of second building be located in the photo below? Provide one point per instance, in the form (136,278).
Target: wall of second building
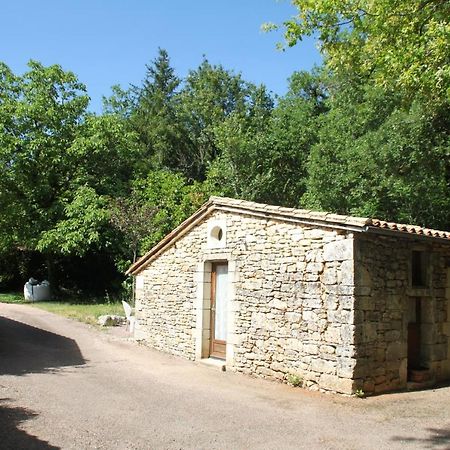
(385,304)
(292,299)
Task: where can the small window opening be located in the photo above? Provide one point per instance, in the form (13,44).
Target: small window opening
(418,269)
(217,233)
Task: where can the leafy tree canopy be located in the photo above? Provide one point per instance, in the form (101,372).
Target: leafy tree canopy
(209,96)
(264,158)
(57,164)
(374,158)
(401,45)
(40,114)
(172,199)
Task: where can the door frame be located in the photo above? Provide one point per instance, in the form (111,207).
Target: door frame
(202,305)
(217,347)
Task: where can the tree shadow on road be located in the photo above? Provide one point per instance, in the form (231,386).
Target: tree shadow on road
(438,439)
(27,349)
(11,437)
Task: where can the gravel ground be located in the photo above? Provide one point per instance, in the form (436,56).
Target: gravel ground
(66,385)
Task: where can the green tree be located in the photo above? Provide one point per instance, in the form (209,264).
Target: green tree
(134,218)
(122,102)
(39,117)
(264,158)
(156,120)
(57,165)
(172,199)
(209,96)
(176,120)
(400,45)
(374,158)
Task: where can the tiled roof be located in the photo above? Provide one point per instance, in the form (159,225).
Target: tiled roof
(306,216)
(302,214)
(336,219)
(412,229)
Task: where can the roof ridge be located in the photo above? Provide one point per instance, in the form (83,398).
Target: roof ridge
(306,216)
(294,212)
(329,217)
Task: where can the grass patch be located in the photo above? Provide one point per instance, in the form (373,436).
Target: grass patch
(12,297)
(83,310)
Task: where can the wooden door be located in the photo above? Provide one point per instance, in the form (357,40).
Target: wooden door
(219,310)
(414,325)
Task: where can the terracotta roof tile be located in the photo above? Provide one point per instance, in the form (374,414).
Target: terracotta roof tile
(411,229)
(357,221)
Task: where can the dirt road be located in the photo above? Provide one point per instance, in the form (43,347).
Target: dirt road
(66,385)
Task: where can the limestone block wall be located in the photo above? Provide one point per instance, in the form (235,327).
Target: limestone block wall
(292,309)
(165,293)
(384,298)
(294,293)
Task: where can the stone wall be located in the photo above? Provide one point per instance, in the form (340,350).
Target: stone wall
(295,303)
(383,305)
(327,305)
(292,307)
(165,291)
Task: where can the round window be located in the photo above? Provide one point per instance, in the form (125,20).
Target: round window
(217,233)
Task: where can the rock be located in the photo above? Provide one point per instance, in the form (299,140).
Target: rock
(336,384)
(338,250)
(394,351)
(347,276)
(111,320)
(277,304)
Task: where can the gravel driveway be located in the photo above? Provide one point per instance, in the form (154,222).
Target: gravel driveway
(66,385)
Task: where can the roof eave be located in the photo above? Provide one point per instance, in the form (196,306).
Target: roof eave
(304,217)
(398,233)
(214,204)
(292,219)
(169,239)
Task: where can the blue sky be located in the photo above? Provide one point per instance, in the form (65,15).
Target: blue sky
(108,42)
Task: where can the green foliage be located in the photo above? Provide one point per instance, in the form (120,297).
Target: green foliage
(294,380)
(360,393)
(365,135)
(156,120)
(12,297)
(210,96)
(401,46)
(121,103)
(376,159)
(39,118)
(57,164)
(134,218)
(103,155)
(265,158)
(81,226)
(172,199)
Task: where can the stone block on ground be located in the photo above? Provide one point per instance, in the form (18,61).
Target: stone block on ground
(111,320)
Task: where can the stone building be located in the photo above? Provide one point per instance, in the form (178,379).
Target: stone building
(345,303)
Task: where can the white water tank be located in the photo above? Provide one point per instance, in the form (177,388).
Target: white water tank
(34,291)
